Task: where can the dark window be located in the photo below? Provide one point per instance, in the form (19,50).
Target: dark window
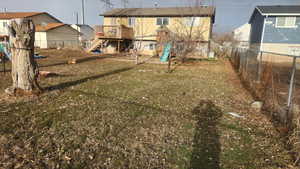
(162,21)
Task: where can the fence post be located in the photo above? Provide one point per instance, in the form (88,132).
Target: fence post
(259,67)
(3,60)
(241,60)
(291,88)
(246,66)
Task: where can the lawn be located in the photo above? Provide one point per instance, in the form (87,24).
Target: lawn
(106,113)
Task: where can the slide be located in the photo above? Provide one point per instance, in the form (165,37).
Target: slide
(166,52)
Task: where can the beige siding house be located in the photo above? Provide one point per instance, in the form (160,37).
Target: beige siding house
(143,24)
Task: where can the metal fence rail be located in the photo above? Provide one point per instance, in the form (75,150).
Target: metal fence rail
(272,78)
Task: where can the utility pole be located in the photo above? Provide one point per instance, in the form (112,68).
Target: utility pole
(83,9)
(77,25)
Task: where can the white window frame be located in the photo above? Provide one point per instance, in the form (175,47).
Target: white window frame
(131,21)
(285,24)
(162,21)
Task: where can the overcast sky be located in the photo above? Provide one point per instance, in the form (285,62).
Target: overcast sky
(230,13)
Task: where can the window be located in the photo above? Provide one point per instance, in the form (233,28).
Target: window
(192,21)
(4,24)
(113,21)
(131,21)
(162,21)
(286,22)
(152,46)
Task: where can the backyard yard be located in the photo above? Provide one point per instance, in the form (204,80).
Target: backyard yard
(106,113)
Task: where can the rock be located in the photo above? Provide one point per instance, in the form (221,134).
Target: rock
(73,61)
(47,74)
(257,105)
(10,91)
(235,115)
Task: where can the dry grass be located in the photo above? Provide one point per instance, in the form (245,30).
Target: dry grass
(103,113)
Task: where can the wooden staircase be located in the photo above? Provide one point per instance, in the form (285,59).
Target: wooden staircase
(95,44)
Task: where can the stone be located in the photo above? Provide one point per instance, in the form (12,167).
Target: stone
(257,105)
(73,61)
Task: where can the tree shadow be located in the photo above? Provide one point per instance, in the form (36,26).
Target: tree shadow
(78,60)
(206,144)
(79,81)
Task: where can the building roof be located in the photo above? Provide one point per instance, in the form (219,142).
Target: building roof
(49,26)
(82,26)
(12,15)
(276,10)
(161,12)
(279,10)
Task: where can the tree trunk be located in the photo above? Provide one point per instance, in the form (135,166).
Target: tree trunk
(24,67)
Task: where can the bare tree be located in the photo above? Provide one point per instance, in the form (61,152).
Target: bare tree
(187,36)
(24,67)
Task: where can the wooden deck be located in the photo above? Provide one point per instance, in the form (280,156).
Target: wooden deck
(116,32)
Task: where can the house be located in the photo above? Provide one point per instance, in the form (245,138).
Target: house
(38,18)
(50,32)
(87,32)
(276,29)
(54,35)
(241,35)
(142,24)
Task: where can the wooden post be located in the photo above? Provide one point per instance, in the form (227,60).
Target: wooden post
(118,46)
(259,66)
(3,60)
(136,57)
(24,68)
(169,63)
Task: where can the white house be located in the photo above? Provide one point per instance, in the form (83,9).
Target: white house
(53,35)
(242,35)
(50,32)
(38,18)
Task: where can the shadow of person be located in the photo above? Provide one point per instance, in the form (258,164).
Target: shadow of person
(206,144)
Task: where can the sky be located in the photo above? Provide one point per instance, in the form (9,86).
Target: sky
(230,14)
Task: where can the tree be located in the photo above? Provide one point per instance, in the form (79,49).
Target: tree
(24,68)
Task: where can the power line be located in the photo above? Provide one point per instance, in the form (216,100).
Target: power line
(108,4)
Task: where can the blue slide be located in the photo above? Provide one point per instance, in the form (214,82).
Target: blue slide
(166,52)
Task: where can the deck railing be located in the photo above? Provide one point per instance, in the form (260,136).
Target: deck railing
(116,32)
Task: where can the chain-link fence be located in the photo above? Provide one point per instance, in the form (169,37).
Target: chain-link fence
(275,80)
(271,77)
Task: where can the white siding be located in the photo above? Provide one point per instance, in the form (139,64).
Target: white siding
(3,29)
(88,33)
(43,18)
(242,33)
(64,36)
(38,19)
(41,40)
